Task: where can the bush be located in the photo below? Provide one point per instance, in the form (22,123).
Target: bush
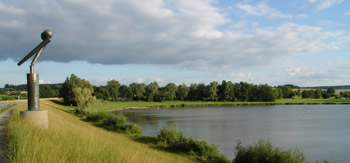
(263,152)
(113,122)
(175,141)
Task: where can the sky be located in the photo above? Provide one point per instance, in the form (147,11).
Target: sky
(300,42)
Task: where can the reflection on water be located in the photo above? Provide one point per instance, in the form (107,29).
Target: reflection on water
(320,131)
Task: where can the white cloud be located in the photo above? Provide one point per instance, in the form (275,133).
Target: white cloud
(174,32)
(347,13)
(294,71)
(311,1)
(240,24)
(262,9)
(323,4)
(301,16)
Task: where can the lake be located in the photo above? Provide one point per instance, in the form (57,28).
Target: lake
(319,131)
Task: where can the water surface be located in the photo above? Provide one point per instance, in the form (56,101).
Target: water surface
(319,131)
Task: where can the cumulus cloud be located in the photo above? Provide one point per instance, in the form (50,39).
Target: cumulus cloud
(323,4)
(262,9)
(173,32)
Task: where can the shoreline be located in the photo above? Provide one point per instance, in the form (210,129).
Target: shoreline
(135,105)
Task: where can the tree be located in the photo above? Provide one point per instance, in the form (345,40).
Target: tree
(346,94)
(78,92)
(306,94)
(138,91)
(113,89)
(170,91)
(287,92)
(126,92)
(151,91)
(182,92)
(265,93)
(325,94)
(45,91)
(331,91)
(212,91)
(226,91)
(83,98)
(202,91)
(193,93)
(317,93)
(102,93)
(278,93)
(243,91)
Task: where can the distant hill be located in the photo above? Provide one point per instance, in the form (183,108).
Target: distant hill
(326,87)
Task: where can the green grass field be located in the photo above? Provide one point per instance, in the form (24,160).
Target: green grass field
(171,104)
(69,139)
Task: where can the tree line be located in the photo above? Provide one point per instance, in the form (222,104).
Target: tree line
(214,91)
(224,91)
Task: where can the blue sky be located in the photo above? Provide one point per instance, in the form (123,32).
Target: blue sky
(301,42)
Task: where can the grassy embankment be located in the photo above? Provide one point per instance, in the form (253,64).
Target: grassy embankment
(69,139)
(172,104)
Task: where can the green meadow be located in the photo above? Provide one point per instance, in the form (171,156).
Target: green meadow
(69,139)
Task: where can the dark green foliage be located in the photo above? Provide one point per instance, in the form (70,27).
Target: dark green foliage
(201,92)
(307,94)
(331,91)
(182,92)
(102,93)
(263,93)
(175,141)
(287,92)
(212,92)
(21,87)
(345,94)
(278,93)
(325,94)
(125,92)
(193,93)
(263,152)
(45,91)
(315,94)
(243,91)
(113,89)
(113,122)
(226,91)
(152,91)
(167,93)
(138,91)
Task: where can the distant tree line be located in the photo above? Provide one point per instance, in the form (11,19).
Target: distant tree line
(13,92)
(214,91)
(318,93)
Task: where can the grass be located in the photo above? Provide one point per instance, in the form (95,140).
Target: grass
(6,108)
(69,139)
(170,104)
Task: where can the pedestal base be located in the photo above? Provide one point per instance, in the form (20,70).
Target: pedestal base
(37,118)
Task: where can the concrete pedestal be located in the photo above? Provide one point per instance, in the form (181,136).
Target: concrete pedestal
(38,118)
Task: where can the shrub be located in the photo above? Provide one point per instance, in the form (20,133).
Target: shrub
(263,152)
(175,141)
(113,122)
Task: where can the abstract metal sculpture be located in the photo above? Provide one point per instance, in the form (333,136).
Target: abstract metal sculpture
(33,78)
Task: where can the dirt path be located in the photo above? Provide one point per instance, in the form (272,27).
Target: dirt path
(3,125)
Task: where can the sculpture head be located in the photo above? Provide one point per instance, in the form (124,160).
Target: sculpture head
(47,34)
